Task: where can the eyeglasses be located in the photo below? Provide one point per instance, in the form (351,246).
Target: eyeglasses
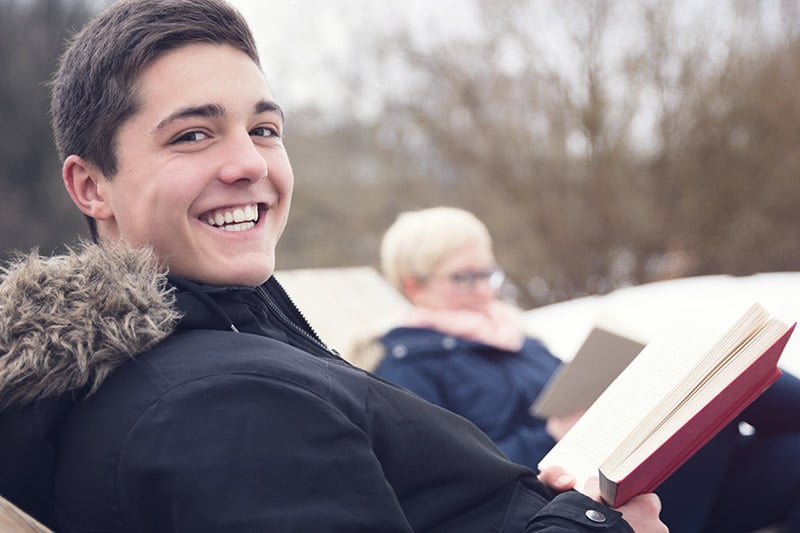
(468,279)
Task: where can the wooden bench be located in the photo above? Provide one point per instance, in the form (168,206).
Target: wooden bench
(14,520)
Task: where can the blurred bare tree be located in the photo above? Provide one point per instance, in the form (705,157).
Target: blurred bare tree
(33,209)
(580,197)
(646,144)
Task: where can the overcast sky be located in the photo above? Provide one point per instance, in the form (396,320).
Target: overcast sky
(305,45)
(302,42)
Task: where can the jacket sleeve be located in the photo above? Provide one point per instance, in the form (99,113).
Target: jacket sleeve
(572,511)
(450,477)
(526,445)
(249,453)
(522,443)
(411,378)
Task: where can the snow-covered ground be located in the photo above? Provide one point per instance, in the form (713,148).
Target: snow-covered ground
(646,310)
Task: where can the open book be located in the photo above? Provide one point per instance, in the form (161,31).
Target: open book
(673,398)
(605,352)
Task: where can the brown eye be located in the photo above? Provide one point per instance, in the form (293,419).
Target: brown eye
(190,136)
(264,131)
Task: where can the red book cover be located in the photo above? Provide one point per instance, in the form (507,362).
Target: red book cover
(716,414)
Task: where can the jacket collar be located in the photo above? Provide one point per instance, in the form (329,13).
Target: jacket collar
(266,310)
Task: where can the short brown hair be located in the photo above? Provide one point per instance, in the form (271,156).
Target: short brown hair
(94,90)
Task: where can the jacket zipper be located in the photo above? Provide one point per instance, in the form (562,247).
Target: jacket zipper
(305,330)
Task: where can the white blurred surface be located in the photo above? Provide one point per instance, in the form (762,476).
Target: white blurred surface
(642,312)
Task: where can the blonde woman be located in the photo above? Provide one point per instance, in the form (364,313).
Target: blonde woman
(460,346)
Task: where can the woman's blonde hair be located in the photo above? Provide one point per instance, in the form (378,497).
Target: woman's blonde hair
(414,245)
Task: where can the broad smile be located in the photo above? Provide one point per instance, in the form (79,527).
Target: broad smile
(241,218)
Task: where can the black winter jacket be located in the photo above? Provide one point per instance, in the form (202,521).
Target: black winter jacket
(136,403)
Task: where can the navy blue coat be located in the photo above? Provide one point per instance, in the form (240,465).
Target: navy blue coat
(491,387)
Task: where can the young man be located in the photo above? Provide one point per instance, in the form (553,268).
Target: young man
(201,400)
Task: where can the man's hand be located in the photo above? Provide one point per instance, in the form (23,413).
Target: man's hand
(641,512)
(557,479)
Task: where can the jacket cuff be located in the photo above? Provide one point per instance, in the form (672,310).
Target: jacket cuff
(581,511)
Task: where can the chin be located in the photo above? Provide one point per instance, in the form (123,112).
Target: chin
(248,271)
(251,279)
(247,278)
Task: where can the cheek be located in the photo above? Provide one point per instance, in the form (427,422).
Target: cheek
(444,298)
(471,300)
(285,192)
(283,182)
(466,300)
(282,178)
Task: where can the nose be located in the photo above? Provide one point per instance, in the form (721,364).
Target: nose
(242,160)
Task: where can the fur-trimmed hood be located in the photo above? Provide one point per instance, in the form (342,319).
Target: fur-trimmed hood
(68,321)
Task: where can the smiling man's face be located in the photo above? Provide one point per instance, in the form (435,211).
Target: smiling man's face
(203,176)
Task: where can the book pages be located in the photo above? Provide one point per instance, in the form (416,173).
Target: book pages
(733,366)
(660,367)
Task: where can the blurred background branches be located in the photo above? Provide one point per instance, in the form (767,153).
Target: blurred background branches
(648,144)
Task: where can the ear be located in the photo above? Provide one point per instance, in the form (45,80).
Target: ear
(86,186)
(411,287)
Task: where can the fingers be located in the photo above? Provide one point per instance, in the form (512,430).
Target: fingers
(650,503)
(592,488)
(557,479)
(642,512)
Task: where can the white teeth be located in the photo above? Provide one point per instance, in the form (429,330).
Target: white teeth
(239,219)
(239,227)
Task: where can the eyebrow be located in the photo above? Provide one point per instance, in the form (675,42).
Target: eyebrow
(215,110)
(267,106)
